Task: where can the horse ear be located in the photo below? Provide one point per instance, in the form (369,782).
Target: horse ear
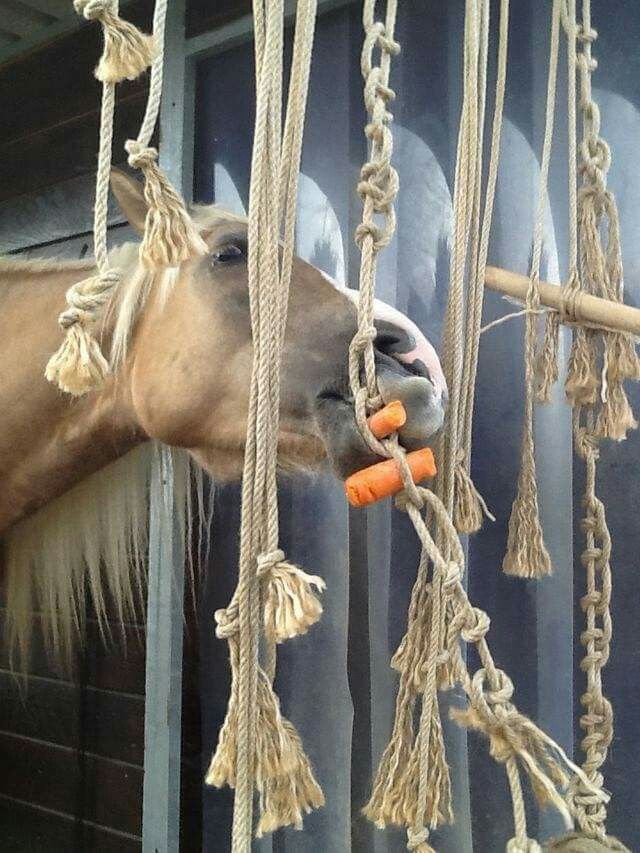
(130,198)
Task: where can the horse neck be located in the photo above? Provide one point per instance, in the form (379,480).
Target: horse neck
(49,441)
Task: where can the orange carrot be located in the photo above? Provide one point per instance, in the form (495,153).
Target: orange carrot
(383,479)
(388,419)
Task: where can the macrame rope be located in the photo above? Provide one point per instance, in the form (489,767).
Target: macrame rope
(79,365)
(412,786)
(526,554)
(595,415)
(258,748)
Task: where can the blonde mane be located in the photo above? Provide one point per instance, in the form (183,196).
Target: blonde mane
(92,542)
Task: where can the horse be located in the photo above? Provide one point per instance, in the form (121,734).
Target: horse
(75,472)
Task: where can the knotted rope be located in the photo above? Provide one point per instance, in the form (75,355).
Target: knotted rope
(79,365)
(412,787)
(257,747)
(127,51)
(170,236)
(596,415)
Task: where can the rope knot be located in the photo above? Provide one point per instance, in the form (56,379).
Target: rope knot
(475,626)
(268,561)
(291,605)
(86,297)
(500,690)
(410,496)
(377,35)
(364,336)
(416,837)
(95,10)
(452,578)
(586,443)
(587,35)
(140,156)
(596,156)
(227,624)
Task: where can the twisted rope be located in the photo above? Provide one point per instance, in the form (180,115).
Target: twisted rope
(257,747)
(469,506)
(526,554)
(78,366)
(411,787)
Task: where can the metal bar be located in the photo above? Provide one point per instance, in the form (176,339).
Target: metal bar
(163,694)
(163,684)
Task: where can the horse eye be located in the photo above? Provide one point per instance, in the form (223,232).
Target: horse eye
(227,254)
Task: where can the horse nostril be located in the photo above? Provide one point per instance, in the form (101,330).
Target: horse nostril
(392,340)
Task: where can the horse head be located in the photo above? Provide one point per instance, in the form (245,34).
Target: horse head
(190,358)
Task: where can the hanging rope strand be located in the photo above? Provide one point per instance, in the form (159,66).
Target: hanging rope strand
(526,555)
(258,747)
(79,365)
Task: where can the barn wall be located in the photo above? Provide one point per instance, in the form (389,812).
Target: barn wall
(72,744)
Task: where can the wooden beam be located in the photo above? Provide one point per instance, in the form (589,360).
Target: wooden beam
(586,309)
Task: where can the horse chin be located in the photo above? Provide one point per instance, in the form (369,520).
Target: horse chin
(298,451)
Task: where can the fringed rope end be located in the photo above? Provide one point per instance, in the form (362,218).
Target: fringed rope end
(127,51)
(621,362)
(395,796)
(512,735)
(469,509)
(79,366)
(615,418)
(170,235)
(547,364)
(526,555)
(582,382)
(290,604)
(286,785)
(286,798)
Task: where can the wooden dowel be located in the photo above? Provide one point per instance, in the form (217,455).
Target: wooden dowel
(590,310)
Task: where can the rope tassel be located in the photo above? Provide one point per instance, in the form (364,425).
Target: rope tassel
(286,785)
(290,605)
(469,509)
(79,366)
(127,51)
(395,796)
(170,235)
(526,555)
(583,381)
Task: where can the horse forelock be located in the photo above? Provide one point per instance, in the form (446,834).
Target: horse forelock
(138,283)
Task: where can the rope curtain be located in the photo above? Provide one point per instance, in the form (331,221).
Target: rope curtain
(259,750)
(412,787)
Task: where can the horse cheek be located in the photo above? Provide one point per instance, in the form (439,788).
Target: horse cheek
(167,402)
